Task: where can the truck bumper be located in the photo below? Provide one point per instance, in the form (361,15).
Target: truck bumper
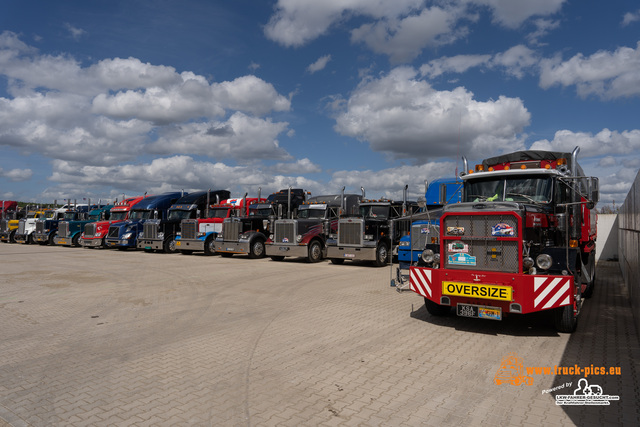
(346,252)
(150,244)
(41,237)
(189,245)
(120,243)
(512,293)
(232,247)
(91,243)
(275,249)
(5,236)
(63,241)
(21,238)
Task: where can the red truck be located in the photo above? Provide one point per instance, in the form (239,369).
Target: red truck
(95,232)
(200,234)
(523,240)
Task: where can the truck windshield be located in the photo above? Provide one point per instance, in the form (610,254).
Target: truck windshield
(69,216)
(31,214)
(374,211)
(218,213)
(176,215)
(311,213)
(118,216)
(260,211)
(141,214)
(50,215)
(94,217)
(531,189)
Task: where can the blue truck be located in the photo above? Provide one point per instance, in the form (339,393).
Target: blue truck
(124,235)
(426,223)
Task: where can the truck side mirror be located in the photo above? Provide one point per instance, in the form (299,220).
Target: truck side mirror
(443,194)
(594,193)
(155,214)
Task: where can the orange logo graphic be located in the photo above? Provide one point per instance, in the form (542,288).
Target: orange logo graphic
(511,371)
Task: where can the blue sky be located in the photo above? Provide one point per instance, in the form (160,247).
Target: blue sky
(103,98)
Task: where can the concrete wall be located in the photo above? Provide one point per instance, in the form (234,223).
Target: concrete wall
(607,243)
(629,246)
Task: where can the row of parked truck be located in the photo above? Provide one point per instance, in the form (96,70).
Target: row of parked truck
(514,235)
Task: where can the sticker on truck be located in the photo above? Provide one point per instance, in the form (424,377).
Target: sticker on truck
(474,290)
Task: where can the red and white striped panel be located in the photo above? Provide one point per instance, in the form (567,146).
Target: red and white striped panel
(421,281)
(551,292)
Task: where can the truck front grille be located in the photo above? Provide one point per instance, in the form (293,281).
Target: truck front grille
(40,226)
(90,229)
(285,231)
(189,229)
(477,248)
(350,232)
(21,227)
(231,230)
(63,229)
(4,225)
(421,234)
(114,232)
(150,230)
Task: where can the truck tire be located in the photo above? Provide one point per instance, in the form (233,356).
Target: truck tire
(278,258)
(169,245)
(51,237)
(435,309)
(337,261)
(256,250)
(382,255)
(75,241)
(12,236)
(565,319)
(209,246)
(29,240)
(315,252)
(588,291)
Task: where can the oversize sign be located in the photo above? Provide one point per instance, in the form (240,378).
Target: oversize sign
(500,293)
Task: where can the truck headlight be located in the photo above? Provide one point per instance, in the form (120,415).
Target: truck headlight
(404,243)
(299,238)
(161,235)
(368,237)
(544,261)
(527,262)
(201,233)
(127,236)
(271,237)
(178,234)
(428,256)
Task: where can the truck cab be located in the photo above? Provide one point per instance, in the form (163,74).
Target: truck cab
(124,234)
(27,225)
(306,235)
(95,233)
(71,227)
(426,223)
(522,240)
(371,234)
(10,215)
(47,227)
(200,234)
(247,235)
(160,233)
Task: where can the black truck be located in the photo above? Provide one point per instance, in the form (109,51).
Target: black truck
(160,233)
(306,235)
(247,235)
(372,234)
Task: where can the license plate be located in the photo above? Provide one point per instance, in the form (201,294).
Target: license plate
(230,249)
(349,255)
(479,311)
(112,243)
(147,247)
(283,248)
(62,242)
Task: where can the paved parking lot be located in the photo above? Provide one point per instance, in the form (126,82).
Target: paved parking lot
(102,337)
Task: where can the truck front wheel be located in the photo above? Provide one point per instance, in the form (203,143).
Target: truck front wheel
(209,246)
(75,241)
(566,319)
(169,246)
(257,249)
(315,251)
(435,309)
(12,236)
(382,255)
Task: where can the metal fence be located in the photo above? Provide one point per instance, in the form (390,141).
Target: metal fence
(629,246)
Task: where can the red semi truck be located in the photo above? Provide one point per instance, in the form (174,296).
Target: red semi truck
(522,241)
(95,232)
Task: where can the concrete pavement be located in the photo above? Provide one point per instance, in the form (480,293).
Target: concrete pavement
(103,337)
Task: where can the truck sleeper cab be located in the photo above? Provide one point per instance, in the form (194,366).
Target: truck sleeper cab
(371,235)
(160,234)
(522,241)
(123,235)
(247,235)
(198,235)
(306,235)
